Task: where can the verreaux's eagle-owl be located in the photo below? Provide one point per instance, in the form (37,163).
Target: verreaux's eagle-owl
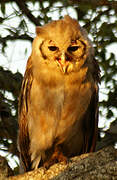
(58,106)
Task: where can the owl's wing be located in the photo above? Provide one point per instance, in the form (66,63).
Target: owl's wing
(91,116)
(23,138)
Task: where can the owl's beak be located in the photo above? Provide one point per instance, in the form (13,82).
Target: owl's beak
(63,62)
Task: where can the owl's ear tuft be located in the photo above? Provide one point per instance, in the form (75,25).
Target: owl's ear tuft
(67,17)
(71,21)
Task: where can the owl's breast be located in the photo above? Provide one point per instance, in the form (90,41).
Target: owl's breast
(55,109)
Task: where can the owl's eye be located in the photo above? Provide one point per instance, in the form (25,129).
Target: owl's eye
(52,48)
(72,48)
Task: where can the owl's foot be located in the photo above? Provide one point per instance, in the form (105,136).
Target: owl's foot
(56,157)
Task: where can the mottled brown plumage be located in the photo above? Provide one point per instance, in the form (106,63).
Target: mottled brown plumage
(58,106)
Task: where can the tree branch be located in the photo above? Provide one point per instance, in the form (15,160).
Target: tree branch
(5,170)
(15,37)
(23,7)
(91,3)
(98,165)
(94,3)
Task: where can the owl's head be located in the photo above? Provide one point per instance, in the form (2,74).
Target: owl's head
(63,45)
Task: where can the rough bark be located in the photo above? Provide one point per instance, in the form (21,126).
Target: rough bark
(99,165)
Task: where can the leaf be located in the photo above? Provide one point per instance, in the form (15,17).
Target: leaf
(3,8)
(25,51)
(10,31)
(22,24)
(109,114)
(1,20)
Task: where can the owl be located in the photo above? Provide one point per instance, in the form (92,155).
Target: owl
(58,104)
